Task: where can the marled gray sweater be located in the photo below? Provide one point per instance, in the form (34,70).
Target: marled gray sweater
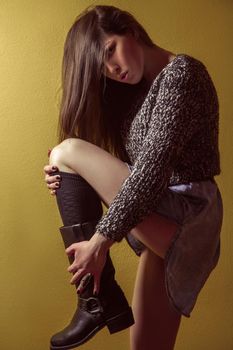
(172,139)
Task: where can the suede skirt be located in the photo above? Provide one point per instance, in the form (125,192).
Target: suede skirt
(194,251)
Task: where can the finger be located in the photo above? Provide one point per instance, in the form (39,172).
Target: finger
(51,179)
(84,282)
(77,276)
(49,169)
(53,186)
(72,268)
(49,151)
(70,250)
(96,284)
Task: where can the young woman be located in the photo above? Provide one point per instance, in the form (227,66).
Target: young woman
(138,131)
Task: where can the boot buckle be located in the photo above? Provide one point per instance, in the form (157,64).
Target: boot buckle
(91,305)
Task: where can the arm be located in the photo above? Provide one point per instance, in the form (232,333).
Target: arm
(176,116)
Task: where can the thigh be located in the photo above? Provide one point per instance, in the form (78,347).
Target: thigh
(104,172)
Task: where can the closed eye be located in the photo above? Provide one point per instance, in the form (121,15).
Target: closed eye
(110,50)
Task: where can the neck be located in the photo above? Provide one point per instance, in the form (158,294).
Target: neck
(156,58)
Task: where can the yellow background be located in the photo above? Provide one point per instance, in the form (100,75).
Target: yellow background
(36,298)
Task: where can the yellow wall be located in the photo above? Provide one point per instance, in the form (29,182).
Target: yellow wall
(35,296)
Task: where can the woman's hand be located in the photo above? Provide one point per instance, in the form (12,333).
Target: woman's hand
(89,257)
(53,181)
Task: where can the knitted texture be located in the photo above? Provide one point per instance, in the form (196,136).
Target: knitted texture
(172,139)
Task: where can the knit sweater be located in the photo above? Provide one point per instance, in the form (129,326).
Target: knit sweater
(172,139)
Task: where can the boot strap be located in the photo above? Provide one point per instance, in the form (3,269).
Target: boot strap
(78,233)
(91,305)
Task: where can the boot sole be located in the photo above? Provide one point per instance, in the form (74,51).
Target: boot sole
(114,324)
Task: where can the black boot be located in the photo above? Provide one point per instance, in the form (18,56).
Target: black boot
(110,308)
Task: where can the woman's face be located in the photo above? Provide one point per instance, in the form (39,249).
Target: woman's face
(124,59)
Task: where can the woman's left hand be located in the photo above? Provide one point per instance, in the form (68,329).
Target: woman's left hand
(89,257)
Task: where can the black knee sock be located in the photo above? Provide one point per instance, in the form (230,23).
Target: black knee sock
(77,200)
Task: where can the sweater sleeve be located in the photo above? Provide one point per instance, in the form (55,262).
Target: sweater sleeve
(175,118)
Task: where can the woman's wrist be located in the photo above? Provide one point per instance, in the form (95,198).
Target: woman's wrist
(101,242)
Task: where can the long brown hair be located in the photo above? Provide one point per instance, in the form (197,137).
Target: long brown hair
(88,107)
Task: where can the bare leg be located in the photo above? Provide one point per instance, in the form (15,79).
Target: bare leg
(106,174)
(156,323)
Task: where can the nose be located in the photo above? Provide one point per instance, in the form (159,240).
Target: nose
(113,68)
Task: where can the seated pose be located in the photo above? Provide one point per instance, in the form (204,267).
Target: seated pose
(138,132)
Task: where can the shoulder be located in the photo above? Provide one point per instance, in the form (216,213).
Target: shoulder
(184,64)
(183,73)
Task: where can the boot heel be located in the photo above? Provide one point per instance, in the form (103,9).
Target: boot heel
(120,322)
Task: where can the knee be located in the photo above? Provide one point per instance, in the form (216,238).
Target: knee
(61,153)
(56,155)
